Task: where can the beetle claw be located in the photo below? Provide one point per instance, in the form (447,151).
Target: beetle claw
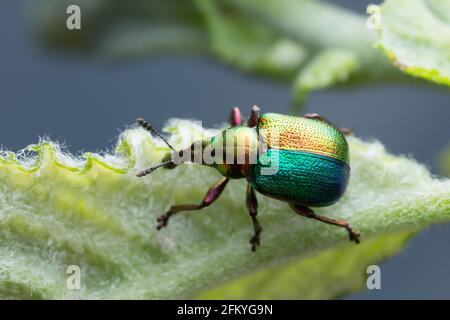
(353,235)
(255,242)
(162,221)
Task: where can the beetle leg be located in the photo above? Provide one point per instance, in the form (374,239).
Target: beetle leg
(307,212)
(212,195)
(254,116)
(344,131)
(252,206)
(236,117)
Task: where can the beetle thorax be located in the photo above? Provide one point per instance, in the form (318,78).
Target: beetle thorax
(235,151)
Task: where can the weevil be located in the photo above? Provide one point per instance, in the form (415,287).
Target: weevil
(310,154)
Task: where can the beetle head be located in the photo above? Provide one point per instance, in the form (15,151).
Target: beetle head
(231,152)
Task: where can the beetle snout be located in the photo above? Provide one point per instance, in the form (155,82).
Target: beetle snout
(167,157)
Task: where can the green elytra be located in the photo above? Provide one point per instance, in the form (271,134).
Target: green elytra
(300,160)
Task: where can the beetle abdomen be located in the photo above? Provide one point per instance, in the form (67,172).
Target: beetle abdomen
(304,178)
(306,161)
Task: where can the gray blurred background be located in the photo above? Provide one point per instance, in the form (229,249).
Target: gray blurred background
(86,105)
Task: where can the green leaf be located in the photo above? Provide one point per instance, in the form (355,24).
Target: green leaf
(325,70)
(415,34)
(58,210)
(327,275)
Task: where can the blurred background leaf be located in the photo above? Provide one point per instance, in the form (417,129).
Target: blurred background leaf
(119,29)
(238,40)
(325,70)
(285,40)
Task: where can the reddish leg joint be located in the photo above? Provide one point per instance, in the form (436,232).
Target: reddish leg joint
(254,116)
(236,117)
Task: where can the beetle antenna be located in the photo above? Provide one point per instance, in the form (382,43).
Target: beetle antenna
(147,126)
(151,169)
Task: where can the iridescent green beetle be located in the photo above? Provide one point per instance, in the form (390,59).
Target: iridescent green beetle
(300,160)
